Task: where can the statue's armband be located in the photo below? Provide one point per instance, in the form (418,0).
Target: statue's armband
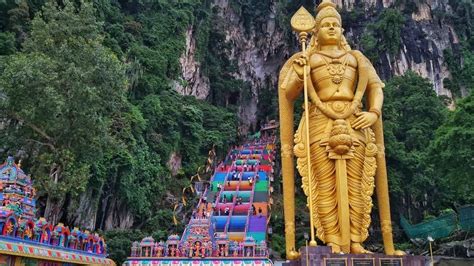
(374,79)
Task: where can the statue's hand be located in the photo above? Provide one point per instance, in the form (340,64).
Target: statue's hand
(364,120)
(298,65)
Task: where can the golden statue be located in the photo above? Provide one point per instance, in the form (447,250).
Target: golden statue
(343,144)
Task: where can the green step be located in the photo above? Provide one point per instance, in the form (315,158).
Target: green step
(261,186)
(215,183)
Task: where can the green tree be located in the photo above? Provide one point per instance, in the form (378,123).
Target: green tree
(412,113)
(119,243)
(7,43)
(62,95)
(452,153)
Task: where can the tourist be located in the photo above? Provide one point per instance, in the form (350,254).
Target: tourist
(260,211)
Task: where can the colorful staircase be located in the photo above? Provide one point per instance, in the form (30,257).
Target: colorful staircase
(229,224)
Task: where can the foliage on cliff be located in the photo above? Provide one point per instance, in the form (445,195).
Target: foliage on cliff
(460,61)
(88,103)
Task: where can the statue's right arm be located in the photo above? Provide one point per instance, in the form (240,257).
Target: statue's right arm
(293,86)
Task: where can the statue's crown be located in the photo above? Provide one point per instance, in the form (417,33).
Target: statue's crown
(327,9)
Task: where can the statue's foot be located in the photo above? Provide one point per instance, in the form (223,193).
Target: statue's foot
(356,248)
(293,255)
(399,253)
(395,252)
(335,248)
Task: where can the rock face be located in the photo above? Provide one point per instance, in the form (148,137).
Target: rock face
(422,52)
(350,4)
(261,50)
(193,82)
(423,41)
(174,163)
(424,38)
(259,54)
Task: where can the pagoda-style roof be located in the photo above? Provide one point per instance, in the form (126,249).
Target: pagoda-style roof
(173,237)
(61,229)
(249,241)
(19,225)
(147,241)
(11,172)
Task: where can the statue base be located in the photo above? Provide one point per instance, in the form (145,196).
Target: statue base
(322,256)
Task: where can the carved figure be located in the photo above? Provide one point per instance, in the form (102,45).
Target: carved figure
(340,151)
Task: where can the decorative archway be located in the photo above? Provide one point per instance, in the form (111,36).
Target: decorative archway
(80,242)
(9,229)
(29,231)
(63,234)
(46,234)
(101,247)
(90,243)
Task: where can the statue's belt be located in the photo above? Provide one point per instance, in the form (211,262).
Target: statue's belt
(338,107)
(324,123)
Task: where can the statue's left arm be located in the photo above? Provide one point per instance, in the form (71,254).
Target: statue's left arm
(374,95)
(374,91)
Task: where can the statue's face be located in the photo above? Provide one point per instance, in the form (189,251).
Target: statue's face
(330,31)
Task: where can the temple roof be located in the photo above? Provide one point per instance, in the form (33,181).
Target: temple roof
(10,171)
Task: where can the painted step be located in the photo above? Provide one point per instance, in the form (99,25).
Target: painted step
(258,224)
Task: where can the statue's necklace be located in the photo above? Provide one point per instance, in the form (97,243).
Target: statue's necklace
(336,68)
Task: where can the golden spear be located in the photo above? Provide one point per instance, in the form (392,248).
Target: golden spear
(303,22)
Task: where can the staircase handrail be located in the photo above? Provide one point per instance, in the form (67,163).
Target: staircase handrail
(222,189)
(251,200)
(205,194)
(217,199)
(234,200)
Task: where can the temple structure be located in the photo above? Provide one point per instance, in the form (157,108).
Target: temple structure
(26,240)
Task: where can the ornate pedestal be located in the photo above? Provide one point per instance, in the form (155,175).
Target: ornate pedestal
(322,256)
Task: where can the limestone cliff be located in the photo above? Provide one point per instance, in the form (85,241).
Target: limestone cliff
(193,81)
(424,38)
(260,43)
